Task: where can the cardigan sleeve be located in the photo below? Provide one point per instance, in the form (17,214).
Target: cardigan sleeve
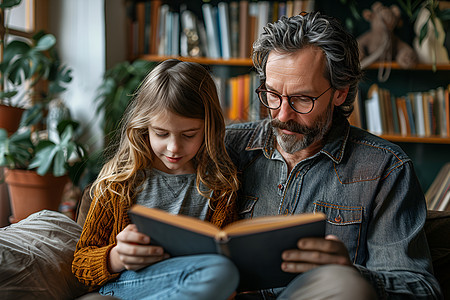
(90,263)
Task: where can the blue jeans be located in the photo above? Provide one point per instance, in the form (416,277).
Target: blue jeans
(207,276)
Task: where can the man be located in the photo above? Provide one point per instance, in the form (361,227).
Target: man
(306,158)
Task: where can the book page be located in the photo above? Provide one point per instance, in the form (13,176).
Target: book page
(182,221)
(270,223)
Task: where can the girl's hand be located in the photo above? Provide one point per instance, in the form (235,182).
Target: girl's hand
(133,251)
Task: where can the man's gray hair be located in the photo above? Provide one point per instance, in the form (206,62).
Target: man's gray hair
(288,35)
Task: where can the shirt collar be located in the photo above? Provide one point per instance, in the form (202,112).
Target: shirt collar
(264,139)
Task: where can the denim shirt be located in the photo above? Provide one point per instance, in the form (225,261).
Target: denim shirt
(366,187)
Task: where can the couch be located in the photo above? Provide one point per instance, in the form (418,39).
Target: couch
(36,254)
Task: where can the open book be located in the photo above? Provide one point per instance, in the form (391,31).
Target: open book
(254,245)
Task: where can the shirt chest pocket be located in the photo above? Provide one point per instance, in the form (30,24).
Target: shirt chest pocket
(345,222)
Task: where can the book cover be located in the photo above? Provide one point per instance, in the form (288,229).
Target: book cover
(234,28)
(373,111)
(418,113)
(409,111)
(140,14)
(224,29)
(154,25)
(162,38)
(254,245)
(234,99)
(244,50)
(436,186)
(253,12)
(426,113)
(447,109)
(175,43)
(395,115)
(212,32)
(440,111)
(263,16)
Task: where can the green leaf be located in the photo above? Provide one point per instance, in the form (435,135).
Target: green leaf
(9,3)
(59,168)
(15,48)
(9,94)
(423,32)
(43,159)
(45,42)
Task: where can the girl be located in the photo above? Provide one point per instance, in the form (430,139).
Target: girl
(171,156)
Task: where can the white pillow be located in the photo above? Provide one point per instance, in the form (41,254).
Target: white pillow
(36,258)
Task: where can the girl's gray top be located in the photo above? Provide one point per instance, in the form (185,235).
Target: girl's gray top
(176,194)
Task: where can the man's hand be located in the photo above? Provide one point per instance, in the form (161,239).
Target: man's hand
(314,252)
(133,251)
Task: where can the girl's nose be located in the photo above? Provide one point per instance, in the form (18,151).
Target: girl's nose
(174,145)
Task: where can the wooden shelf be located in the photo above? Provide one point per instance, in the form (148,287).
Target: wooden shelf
(416,139)
(421,67)
(202,60)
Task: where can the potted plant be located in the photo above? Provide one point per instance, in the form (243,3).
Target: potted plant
(10,113)
(32,70)
(37,168)
(119,84)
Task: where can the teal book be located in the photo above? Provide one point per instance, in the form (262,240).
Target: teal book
(254,245)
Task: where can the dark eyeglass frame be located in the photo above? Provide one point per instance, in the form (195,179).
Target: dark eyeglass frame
(313,99)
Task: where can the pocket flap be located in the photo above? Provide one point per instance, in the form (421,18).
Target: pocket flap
(339,214)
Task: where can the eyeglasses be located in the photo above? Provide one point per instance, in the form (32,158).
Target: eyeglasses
(299,103)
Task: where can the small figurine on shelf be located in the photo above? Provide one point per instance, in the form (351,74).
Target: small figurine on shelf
(430,49)
(380,44)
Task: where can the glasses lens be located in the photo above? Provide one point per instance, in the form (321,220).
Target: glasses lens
(269,99)
(302,104)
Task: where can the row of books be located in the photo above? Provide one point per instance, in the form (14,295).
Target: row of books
(422,114)
(238,99)
(438,194)
(226,30)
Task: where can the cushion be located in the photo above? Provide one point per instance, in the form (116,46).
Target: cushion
(36,258)
(83,206)
(437,229)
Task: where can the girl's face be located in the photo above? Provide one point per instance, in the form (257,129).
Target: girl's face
(175,140)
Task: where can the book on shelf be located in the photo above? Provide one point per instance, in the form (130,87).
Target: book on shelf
(231,27)
(234,28)
(254,245)
(438,194)
(447,109)
(212,31)
(440,106)
(418,113)
(154,21)
(224,29)
(244,49)
(422,113)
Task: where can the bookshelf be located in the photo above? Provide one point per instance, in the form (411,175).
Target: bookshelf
(428,153)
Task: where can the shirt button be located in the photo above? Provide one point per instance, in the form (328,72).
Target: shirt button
(280,186)
(338,219)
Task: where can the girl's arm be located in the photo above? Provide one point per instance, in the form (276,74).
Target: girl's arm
(90,264)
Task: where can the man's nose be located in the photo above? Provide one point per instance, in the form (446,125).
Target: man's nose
(285,112)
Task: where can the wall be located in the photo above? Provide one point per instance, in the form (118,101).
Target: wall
(79,30)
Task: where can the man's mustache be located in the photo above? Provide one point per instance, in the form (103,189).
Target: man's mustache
(291,126)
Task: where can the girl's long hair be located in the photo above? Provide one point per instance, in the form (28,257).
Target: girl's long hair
(183,88)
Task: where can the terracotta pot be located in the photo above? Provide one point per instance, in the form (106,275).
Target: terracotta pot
(30,192)
(10,118)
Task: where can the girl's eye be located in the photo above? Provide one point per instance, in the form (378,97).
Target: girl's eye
(189,136)
(161,134)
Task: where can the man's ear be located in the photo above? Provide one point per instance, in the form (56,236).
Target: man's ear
(340,96)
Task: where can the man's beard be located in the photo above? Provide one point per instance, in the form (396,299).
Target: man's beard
(291,143)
